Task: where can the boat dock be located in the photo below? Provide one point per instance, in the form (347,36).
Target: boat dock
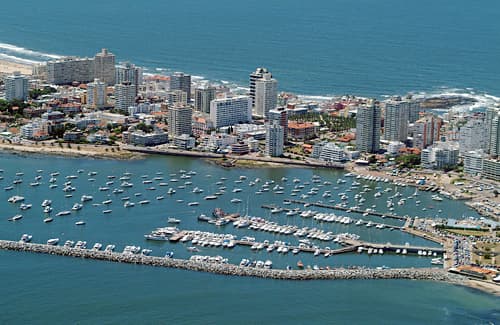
(338,207)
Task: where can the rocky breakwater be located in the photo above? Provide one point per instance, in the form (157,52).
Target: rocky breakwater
(234,270)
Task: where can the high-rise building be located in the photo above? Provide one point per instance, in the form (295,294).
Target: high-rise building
(396,120)
(254,76)
(440,155)
(176,97)
(70,69)
(104,67)
(181,81)
(96,94)
(368,128)
(413,110)
(203,97)
(180,120)
(280,116)
(127,72)
(266,95)
(274,140)
(473,135)
(494,136)
(426,131)
(125,96)
(16,87)
(230,111)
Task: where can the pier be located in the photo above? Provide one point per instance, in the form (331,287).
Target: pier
(338,207)
(434,274)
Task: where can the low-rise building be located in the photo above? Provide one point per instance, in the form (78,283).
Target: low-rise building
(301,131)
(184,142)
(473,162)
(491,169)
(440,155)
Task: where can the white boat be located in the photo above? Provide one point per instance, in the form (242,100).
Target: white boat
(107,202)
(47,220)
(26,238)
(16,198)
(144,202)
(173,220)
(128,204)
(107,211)
(46,203)
(53,241)
(47,209)
(16,217)
(436,197)
(86,198)
(161,197)
(236,200)
(193,203)
(80,223)
(76,207)
(210,197)
(63,213)
(24,206)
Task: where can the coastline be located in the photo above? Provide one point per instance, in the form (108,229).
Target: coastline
(9,67)
(89,151)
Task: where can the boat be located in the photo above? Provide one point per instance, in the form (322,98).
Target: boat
(300,265)
(77,206)
(46,203)
(146,251)
(8,188)
(107,211)
(436,197)
(15,199)
(144,202)
(97,246)
(210,197)
(26,238)
(53,241)
(24,206)
(236,200)
(169,254)
(437,261)
(128,204)
(107,202)
(47,220)
(86,198)
(170,191)
(47,209)
(173,220)
(160,197)
(80,223)
(63,213)
(109,248)
(193,203)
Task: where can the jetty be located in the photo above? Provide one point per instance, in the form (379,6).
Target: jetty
(338,207)
(434,274)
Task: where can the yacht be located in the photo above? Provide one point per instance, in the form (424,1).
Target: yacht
(16,198)
(46,203)
(16,217)
(144,202)
(86,198)
(171,191)
(80,223)
(53,241)
(236,200)
(63,213)
(173,220)
(77,206)
(107,202)
(128,204)
(193,203)
(161,197)
(48,219)
(26,238)
(210,197)
(436,197)
(97,246)
(107,211)
(24,206)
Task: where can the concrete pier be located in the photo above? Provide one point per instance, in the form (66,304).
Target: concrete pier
(234,270)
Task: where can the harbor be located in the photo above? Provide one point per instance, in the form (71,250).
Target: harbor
(234,270)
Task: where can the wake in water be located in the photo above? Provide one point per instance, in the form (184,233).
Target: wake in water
(15,53)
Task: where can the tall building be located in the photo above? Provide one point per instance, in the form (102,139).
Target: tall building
(230,111)
(96,94)
(473,136)
(280,116)
(254,76)
(368,128)
(180,120)
(104,67)
(181,81)
(176,97)
(494,136)
(413,110)
(127,72)
(202,98)
(426,131)
(125,96)
(266,95)
(274,140)
(70,69)
(16,87)
(396,120)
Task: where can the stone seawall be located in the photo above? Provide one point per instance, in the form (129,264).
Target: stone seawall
(234,270)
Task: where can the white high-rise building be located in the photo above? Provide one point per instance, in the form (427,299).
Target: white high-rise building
(127,72)
(70,69)
(181,81)
(16,87)
(125,96)
(368,128)
(494,135)
(230,111)
(96,94)
(203,97)
(274,140)
(266,95)
(280,115)
(473,136)
(104,67)
(180,120)
(426,130)
(396,120)
(254,76)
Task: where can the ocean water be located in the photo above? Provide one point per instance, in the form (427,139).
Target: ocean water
(361,47)
(43,289)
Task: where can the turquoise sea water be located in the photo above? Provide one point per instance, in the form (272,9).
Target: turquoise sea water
(42,289)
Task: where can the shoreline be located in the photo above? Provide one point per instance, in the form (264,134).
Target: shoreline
(9,67)
(71,152)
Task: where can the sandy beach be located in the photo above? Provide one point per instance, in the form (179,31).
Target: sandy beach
(82,150)
(7,67)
